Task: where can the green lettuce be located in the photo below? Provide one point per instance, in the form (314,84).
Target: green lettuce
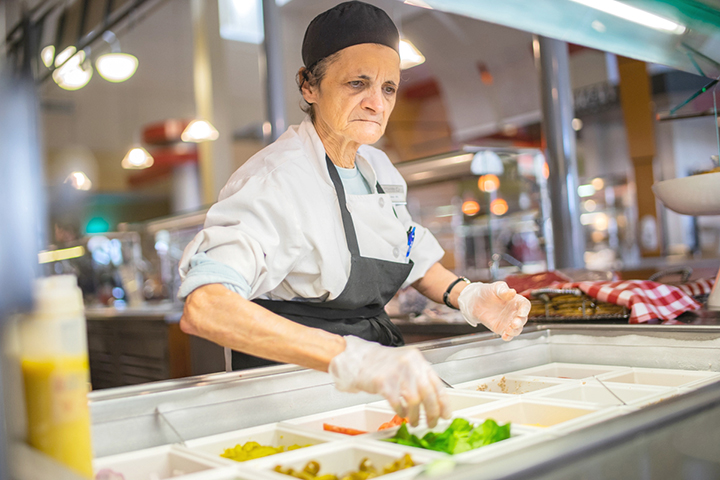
(461,436)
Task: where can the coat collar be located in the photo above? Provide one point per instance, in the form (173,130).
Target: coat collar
(317,153)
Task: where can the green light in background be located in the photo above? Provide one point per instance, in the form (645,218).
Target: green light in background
(97,225)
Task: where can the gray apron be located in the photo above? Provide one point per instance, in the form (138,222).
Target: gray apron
(359,309)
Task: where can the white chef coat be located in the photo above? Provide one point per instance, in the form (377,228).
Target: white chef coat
(277,222)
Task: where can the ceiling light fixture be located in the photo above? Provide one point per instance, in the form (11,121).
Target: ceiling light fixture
(634,14)
(199,131)
(47,55)
(418,3)
(63,56)
(410,56)
(137,158)
(499,207)
(74,73)
(487,161)
(115,66)
(79,181)
(488,183)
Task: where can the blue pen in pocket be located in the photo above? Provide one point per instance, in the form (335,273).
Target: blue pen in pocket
(411,240)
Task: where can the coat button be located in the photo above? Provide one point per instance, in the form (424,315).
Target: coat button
(381,202)
(396,252)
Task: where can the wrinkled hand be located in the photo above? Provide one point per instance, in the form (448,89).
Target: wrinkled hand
(401,375)
(496,306)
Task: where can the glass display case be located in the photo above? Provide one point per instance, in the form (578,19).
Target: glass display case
(488,208)
(110,267)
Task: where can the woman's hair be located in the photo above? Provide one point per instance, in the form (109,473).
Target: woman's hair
(312,77)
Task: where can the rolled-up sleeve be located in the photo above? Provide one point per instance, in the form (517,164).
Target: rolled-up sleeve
(253,231)
(205,271)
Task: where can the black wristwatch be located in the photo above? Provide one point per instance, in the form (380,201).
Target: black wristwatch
(446,295)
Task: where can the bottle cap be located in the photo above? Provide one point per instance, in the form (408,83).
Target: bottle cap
(58,294)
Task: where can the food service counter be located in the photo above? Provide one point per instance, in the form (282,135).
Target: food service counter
(673,431)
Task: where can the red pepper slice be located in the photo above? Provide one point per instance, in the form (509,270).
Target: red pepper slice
(343,430)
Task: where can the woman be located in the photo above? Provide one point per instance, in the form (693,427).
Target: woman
(306,230)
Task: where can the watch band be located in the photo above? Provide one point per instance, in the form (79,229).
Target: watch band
(446,295)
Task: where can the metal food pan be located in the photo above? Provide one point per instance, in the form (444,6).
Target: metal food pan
(154,464)
(460,399)
(662,377)
(509,384)
(274,435)
(341,457)
(568,370)
(604,395)
(363,418)
(518,434)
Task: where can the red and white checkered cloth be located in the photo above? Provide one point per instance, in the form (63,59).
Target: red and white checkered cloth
(699,287)
(646,300)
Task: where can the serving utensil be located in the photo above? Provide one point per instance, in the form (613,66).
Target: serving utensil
(160,414)
(608,389)
(446,383)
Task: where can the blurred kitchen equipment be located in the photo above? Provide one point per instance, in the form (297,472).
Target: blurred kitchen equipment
(694,195)
(684,272)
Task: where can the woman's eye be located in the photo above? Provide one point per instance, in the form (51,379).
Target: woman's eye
(390,90)
(356,83)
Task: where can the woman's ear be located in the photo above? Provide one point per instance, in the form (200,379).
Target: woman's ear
(309,92)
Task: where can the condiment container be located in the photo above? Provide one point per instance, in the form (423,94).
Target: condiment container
(55,370)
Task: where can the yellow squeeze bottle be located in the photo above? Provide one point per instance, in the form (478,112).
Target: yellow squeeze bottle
(54,363)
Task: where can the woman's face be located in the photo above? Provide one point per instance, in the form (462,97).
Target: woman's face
(357,94)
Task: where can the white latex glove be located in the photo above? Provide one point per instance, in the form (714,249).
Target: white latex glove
(496,306)
(401,375)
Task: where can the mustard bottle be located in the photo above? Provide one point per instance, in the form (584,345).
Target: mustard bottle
(55,370)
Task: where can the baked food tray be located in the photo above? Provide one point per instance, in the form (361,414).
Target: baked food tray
(551,305)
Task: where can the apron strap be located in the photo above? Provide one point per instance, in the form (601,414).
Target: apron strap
(348,225)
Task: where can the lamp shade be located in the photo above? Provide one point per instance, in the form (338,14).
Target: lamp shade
(485,162)
(199,131)
(74,74)
(116,67)
(410,56)
(137,158)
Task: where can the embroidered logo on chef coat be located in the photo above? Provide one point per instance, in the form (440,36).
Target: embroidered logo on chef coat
(396,192)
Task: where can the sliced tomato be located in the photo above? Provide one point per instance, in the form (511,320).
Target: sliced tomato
(344,430)
(396,421)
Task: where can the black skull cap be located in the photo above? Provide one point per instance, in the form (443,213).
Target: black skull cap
(345,25)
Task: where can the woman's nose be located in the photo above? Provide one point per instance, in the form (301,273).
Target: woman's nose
(374,100)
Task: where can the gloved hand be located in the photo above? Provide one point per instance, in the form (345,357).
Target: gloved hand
(401,375)
(496,306)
